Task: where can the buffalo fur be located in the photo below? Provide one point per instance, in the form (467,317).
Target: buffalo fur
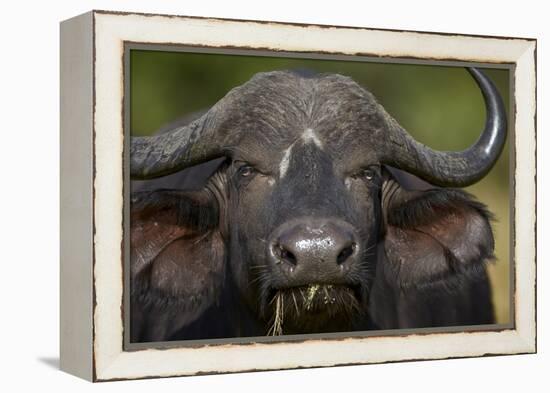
(453,231)
(434,245)
(172,231)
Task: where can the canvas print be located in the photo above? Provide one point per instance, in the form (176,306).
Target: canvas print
(283,196)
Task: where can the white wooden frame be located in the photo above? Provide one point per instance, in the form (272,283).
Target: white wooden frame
(92,142)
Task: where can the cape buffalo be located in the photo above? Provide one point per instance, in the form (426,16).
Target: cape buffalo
(307,222)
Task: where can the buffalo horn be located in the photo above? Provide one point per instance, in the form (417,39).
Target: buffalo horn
(456,169)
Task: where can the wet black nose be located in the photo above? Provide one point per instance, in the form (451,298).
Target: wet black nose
(311,251)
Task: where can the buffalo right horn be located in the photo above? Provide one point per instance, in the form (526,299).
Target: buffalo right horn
(166,153)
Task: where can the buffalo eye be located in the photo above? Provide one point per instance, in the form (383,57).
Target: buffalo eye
(246,171)
(368,174)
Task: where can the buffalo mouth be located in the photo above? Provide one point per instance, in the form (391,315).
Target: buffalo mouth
(313,308)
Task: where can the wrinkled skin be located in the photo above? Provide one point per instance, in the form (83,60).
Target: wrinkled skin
(305,171)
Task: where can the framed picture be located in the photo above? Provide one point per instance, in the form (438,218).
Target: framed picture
(245,195)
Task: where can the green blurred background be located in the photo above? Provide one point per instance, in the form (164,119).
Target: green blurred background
(439,106)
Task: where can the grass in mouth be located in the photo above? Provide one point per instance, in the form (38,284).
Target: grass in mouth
(308,295)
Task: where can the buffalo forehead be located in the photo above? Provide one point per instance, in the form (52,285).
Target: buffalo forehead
(277,110)
(275,155)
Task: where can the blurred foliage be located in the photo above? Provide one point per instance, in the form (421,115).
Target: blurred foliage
(440,106)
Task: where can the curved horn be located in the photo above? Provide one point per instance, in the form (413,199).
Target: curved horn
(458,169)
(169,152)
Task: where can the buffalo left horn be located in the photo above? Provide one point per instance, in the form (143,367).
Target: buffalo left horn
(457,169)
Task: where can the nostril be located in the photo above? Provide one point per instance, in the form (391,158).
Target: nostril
(345,253)
(289,257)
(285,255)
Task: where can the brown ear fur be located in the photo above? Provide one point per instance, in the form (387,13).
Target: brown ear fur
(434,237)
(177,257)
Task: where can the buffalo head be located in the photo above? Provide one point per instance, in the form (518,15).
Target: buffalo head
(305,225)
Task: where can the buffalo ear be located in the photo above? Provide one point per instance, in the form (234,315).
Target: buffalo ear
(177,259)
(434,237)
